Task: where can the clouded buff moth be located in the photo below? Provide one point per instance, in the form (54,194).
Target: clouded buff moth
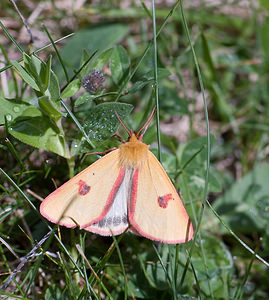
(127,188)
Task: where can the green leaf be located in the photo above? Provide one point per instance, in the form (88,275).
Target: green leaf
(102,122)
(219,267)
(162,73)
(98,38)
(172,103)
(138,85)
(25,75)
(72,88)
(194,157)
(119,64)
(11,109)
(101,60)
(49,108)
(53,90)
(84,98)
(148,78)
(38,70)
(37,130)
(244,207)
(47,73)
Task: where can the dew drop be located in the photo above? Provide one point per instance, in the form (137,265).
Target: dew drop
(9,117)
(16,108)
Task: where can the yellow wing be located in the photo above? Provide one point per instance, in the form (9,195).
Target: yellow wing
(86,198)
(155,209)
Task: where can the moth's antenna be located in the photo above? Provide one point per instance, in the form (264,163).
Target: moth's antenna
(122,123)
(146,125)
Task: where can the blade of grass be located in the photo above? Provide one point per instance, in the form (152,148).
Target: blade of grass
(16,88)
(11,38)
(122,267)
(82,245)
(25,259)
(236,237)
(156,84)
(93,272)
(57,52)
(12,296)
(165,270)
(49,227)
(130,76)
(201,213)
(39,50)
(240,290)
(77,123)
(195,276)
(79,70)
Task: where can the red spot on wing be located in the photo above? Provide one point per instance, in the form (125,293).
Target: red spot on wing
(83,188)
(163,200)
(110,199)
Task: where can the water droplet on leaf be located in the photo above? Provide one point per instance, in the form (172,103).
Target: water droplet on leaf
(9,117)
(16,108)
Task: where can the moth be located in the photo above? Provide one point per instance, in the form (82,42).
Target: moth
(126,189)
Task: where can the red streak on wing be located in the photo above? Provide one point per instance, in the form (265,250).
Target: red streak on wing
(83,188)
(110,199)
(134,184)
(136,228)
(114,191)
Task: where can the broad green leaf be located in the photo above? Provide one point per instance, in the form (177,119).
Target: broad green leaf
(25,75)
(148,78)
(244,207)
(85,56)
(72,88)
(119,64)
(33,65)
(193,157)
(98,38)
(38,70)
(102,122)
(219,267)
(101,60)
(172,103)
(11,109)
(37,130)
(49,108)
(53,90)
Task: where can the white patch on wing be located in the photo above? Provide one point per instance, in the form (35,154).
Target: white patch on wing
(116,220)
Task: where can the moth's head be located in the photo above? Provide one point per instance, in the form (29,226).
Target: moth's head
(139,135)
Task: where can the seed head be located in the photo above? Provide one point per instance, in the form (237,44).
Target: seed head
(93,82)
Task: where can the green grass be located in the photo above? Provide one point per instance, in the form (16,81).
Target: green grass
(204,66)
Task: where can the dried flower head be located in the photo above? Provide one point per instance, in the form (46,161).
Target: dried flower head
(93,82)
